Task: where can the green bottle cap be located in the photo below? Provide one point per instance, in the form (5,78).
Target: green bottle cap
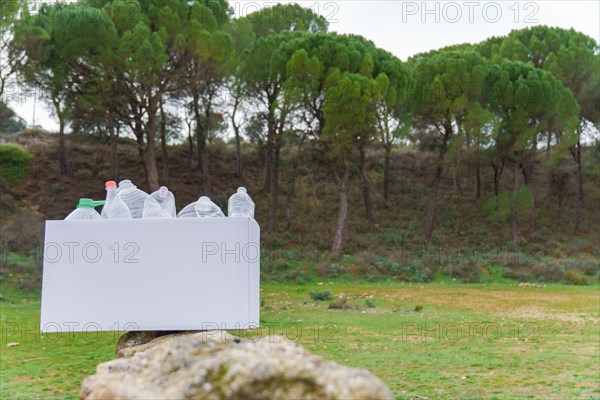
(89,203)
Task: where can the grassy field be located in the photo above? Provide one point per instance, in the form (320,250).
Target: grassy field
(441,340)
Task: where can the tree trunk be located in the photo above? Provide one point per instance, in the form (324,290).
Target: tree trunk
(150,153)
(190,152)
(62,147)
(513,218)
(274,192)
(201,131)
(365,185)
(239,170)
(340,230)
(548,141)
(138,131)
(198,121)
(163,144)
(205,163)
(114,137)
(268,167)
(477,181)
(576,153)
(205,170)
(150,160)
(497,176)
(270,148)
(532,221)
(386,173)
(62,151)
(239,167)
(456,178)
(429,225)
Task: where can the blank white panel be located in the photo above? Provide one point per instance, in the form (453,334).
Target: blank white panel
(153,274)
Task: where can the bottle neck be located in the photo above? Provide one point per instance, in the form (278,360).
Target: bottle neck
(111,193)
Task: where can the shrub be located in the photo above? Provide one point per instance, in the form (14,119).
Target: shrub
(514,273)
(394,267)
(302,278)
(341,304)
(320,295)
(14,161)
(299,276)
(335,270)
(322,269)
(575,278)
(548,273)
(280,264)
(326,269)
(424,274)
(467,272)
(366,259)
(370,303)
(387,265)
(415,271)
(586,267)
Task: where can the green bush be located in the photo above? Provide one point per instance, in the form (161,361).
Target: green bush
(14,162)
(575,278)
(414,271)
(586,267)
(280,264)
(465,272)
(320,295)
(302,278)
(333,270)
(548,273)
(370,303)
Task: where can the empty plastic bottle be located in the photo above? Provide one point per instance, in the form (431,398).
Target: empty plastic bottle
(165,199)
(240,204)
(202,208)
(152,209)
(133,197)
(114,206)
(85,210)
(188,211)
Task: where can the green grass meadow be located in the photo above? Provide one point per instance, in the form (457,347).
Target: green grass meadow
(426,341)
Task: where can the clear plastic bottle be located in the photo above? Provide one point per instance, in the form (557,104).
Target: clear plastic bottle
(85,210)
(133,197)
(166,200)
(240,204)
(202,208)
(152,209)
(188,211)
(114,206)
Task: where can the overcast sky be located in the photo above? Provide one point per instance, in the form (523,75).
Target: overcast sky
(406,28)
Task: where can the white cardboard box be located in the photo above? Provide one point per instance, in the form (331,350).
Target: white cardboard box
(151,274)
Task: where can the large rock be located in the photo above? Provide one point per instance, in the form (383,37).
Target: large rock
(134,341)
(216,365)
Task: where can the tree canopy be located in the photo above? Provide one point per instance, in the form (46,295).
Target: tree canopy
(279,76)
